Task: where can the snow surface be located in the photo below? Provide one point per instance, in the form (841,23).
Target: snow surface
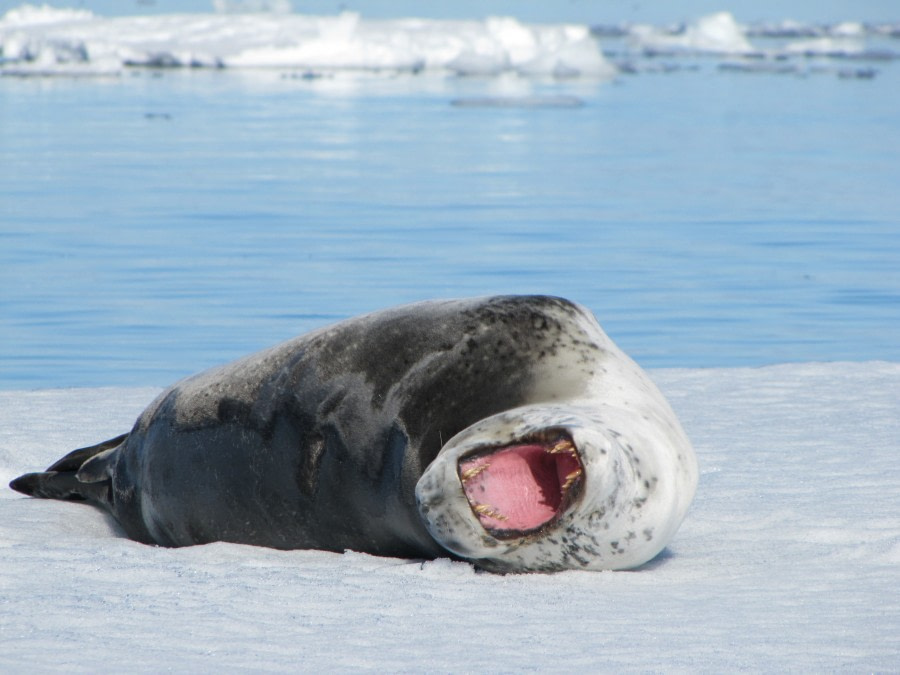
(788,560)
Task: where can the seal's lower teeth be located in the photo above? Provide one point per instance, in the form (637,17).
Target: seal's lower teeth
(469,474)
(570,479)
(489,511)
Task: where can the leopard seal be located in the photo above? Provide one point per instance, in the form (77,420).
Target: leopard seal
(508,431)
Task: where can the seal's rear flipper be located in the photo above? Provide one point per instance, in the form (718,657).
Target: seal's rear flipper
(80,475)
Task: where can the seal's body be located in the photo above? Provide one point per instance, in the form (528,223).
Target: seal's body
(509,431)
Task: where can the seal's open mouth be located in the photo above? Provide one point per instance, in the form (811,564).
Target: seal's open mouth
(516,489)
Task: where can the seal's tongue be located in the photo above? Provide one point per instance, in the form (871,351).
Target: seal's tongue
(520,487)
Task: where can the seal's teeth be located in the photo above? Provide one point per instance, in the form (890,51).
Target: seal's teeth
(563,445)
(489,511)
(570,479)
(469,474)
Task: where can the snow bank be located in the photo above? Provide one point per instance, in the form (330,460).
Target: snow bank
(788,560)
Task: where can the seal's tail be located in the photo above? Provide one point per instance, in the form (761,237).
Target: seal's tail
(81,475)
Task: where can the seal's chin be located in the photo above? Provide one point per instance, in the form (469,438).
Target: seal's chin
(520,488)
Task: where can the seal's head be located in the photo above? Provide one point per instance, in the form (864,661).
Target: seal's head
(547,488)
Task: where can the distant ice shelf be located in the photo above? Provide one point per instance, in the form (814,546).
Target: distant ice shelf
(43,40)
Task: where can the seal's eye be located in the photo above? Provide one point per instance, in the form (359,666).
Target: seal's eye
(515,489)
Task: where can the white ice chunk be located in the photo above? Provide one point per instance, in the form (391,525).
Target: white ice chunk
(716,33)
(826,46)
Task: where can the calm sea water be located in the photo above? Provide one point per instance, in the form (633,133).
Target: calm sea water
(155,224)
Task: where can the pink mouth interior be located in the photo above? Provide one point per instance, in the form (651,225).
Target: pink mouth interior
(519,487)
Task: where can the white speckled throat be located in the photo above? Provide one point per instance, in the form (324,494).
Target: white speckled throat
(579,485)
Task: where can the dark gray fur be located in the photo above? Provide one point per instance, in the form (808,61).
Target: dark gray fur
(318,442)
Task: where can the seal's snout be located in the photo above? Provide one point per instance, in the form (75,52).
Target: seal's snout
(519,488)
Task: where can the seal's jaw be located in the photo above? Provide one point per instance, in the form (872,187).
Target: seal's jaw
(524,487)
(532,489)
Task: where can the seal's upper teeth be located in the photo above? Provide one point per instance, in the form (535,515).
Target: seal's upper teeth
(562,445)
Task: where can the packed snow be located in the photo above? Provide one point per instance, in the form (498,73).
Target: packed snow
(788,560)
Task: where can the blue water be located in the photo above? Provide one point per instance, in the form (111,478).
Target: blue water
(155,224)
